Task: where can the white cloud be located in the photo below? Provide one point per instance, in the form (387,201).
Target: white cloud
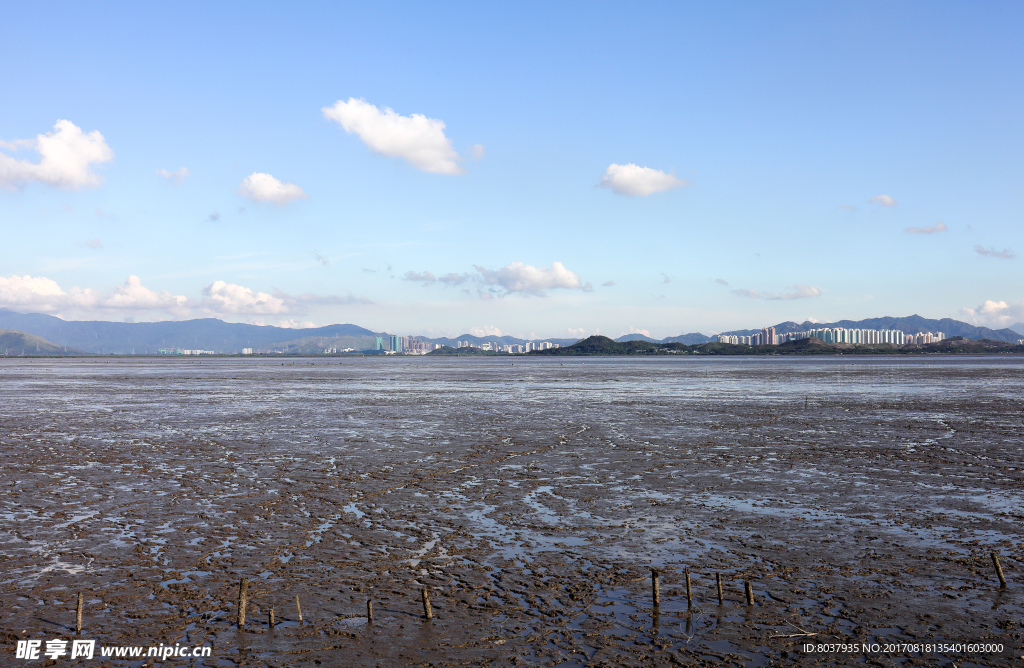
(132,295)
(66,158)
(884,200)
(477,151)
(1005,254)
(940,227)
(520,277)
(634,330)
(486,330)
(996,315)
(176,177)
(417,139)
(577,332)
(40,294)
(796,292)
(223,297)
(638,181)
(262,187)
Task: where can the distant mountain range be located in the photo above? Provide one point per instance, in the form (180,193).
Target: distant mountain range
(125,338)
(909,324)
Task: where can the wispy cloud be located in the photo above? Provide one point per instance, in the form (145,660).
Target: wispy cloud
(1005,254)
(883,200)
(321,259)
(418,140)
(795,292)
(939,227)
(66,159)
(608,284)
(176,177)
(636,181)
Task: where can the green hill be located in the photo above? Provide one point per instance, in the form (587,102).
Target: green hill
(13,342)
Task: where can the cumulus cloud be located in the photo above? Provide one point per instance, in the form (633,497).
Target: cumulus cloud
(1005,254)
(634,330)
(416,139)
(638,181)
(883,200)
(995,314)
(262,187)
(486,330)
(224,297)
(41,294)
(527,279)
(176,177)
(940,227)
(132,295)
(796,292)
(66,159)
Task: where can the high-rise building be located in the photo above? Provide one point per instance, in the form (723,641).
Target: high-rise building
(396,343)
(378,343)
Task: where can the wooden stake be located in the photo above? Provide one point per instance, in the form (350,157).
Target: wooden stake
(271,616)
(995,562)
(78,617)
(655,592)
(299,608)
(427,612)
(689,597)
(369,610)
(718,579)
(750,592)
(243,595)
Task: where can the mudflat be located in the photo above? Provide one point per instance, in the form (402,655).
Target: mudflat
(862,499)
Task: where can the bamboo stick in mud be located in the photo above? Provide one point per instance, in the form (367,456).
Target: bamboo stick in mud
(243,596)
(718,580)
(689,595)
(995,562)
(655,590)
(270,616)
(78,615)
(299,608)
(369,611)
(750,592)
(427,612)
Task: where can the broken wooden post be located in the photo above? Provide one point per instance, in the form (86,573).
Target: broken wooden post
(750,592)
(427,612)
(689,597)
(655,592)
(270,616)
(369,610)
(995,562)
(243,595)
(78,617)
(718,579)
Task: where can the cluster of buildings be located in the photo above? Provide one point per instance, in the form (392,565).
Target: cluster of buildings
(179,351)
(509,347)
(768,336)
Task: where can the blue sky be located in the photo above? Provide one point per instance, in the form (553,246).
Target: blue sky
(546,171)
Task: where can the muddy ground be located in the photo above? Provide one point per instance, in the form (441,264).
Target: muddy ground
(862,500)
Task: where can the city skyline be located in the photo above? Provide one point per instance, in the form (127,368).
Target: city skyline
(552,173)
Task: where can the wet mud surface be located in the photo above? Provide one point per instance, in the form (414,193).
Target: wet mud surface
(861,499)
